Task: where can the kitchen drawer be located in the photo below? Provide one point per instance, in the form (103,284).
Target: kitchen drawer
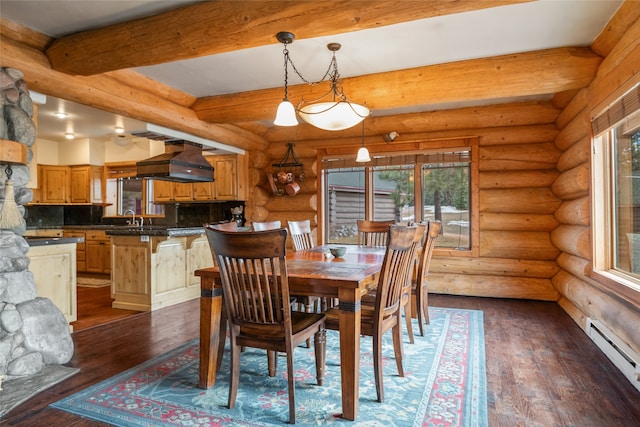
(46,232)
(97,235)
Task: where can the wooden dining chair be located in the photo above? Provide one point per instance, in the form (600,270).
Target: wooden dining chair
(255,286)
(262,226)
(303,239)
(384,315)
(373,233)
(419,287)
(405,300)
(301,234)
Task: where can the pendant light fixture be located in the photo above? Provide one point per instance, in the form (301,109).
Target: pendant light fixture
(336,113)
(363,154)
(286,114)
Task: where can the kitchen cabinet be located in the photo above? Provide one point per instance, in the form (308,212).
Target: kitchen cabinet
(203,191)
(224,187)
(86,184)
(162,191)
(167,191)
(157,272)
(69,184)
(226,177)
(81,264)
(93,254)
(98,252)
(54,183)
(60,287)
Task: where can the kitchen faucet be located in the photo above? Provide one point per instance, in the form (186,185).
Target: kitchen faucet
(133,216)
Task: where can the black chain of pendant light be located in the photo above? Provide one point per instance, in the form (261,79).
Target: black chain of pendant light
(286,38)
(308,109)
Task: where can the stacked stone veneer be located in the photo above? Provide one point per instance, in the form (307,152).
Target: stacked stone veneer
(33,331)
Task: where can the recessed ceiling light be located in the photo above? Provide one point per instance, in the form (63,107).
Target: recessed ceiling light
(69,135)
(119,129)
(60,114)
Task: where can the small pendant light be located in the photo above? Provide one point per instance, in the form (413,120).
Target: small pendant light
(286,114)
(363,153)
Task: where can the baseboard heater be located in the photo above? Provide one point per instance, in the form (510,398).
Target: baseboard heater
(625,359)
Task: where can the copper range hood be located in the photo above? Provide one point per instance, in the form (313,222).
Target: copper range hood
(182,161)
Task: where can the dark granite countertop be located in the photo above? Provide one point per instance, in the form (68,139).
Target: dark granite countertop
(154,230)
(43,240)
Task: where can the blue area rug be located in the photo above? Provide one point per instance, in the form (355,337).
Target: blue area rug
(444,385)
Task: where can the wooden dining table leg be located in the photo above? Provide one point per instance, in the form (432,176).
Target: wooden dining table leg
(210,310)
(349,325)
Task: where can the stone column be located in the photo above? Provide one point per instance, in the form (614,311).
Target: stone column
(33,331)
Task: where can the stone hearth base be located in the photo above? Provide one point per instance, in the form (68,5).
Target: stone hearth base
(18,390)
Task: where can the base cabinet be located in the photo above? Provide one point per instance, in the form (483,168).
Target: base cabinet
(152,272)
(98,248)
(54,273)
(81,252)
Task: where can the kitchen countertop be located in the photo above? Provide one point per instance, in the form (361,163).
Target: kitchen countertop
(154,230)
(128,230)
(43,240)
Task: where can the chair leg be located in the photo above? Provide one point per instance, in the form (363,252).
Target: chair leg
(272,362)
(310,307)
(425,305)
(397,347)
(234,373)
(291,385)
(420,310)
(223,338)
(407,318)
(377,365)
(320,347)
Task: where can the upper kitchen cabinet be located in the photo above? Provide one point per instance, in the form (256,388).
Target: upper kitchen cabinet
(167,191)
(225,173)
(69,184)
(54,184)
(86,184)
(228,184)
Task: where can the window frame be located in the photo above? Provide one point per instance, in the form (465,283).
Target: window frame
(116,171)
(603,269)
(347,154)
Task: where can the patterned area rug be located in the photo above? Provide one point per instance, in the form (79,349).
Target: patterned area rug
(444,385)
(91,282)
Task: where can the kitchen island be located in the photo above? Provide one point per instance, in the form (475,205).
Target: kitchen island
(52,260)
(153,266)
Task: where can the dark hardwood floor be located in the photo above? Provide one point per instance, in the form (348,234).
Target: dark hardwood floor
(94,308)
(542,370)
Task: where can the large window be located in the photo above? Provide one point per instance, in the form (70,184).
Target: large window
(126,193)
(616,191)
(136,195)
(407,187)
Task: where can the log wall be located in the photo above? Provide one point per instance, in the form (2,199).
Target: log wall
(517,167)
(581,296)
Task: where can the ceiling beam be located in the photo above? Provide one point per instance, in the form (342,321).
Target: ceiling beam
(120,92)
(523,74)
(214,27)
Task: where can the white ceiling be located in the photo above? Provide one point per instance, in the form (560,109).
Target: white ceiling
(497,31)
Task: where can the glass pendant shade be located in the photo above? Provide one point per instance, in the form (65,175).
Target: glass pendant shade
(363,155)
(286,114)
(333,115)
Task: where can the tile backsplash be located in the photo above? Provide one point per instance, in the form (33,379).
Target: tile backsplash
(176,215)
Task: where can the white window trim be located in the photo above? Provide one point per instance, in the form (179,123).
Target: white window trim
(603,269)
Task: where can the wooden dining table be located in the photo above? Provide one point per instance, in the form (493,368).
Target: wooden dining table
(312,272)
